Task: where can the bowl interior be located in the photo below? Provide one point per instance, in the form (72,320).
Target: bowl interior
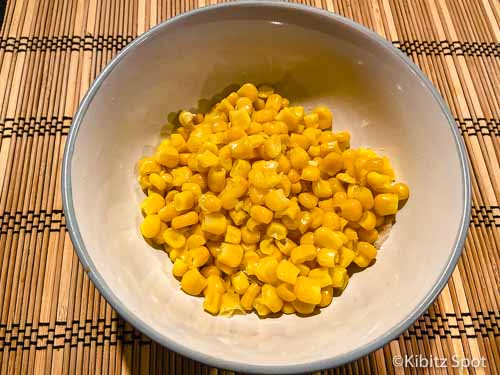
(311,58)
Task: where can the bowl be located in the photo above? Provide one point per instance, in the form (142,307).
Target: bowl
(310,56)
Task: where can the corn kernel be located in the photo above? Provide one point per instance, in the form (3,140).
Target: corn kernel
(174,238)
(386,204)
(240,118)
(249,296)
(167,155)
(262,116)
(310,173)
(308,290)
(266,269)
(151,226)
(326,296)
(368,235)
(208,271)
(327,257)
(303,253)
(152,203)
(209,203)
(286,292)
(240,283)
(230,254)
(272,147)
(289,117)
(212,301)
(322,275)
(339,277)
(260,307)
(378,181)
(302,307)
(287,272)
(184,200)
(351,209)
(308,200)
(307,239)
(326,237)
(261,214)
(193,282)
(230,303)
(304,270)
(238,217)
(368,220)
(147,166)
(400,189)
(285,246)
(249,91)
(270,298)
(346,256)
(180,268)
(214,223)
(216,179)
(366,253)
(185,220)
(298,158)
(277,231)
(249,237)
(325,117)
(362,194)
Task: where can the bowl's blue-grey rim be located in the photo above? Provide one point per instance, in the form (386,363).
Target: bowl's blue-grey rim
(120,306)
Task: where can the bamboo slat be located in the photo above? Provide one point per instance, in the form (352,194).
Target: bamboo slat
(51,50)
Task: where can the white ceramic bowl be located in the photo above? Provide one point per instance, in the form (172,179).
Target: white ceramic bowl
(312,57)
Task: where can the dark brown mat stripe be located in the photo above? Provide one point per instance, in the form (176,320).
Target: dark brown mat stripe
(53,320)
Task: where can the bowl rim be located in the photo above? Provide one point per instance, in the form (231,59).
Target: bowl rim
(212,360)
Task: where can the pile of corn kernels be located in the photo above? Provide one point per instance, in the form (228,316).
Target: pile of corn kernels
(263,207)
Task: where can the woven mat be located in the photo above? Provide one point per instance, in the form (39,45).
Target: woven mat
(53,320)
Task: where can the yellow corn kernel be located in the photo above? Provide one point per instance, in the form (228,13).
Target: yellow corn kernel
(174,238)
(329,147)
(240,169)
(267,246)
(285,246)
(224,268)
(285,292)
(208,271)
(193,188)
(250,261)
(366,253)
(287,272)
(304,270)
(230,303)
(199,256)
(259,104)
(351,234)
(332,164)
(299,140)
(311,120)
(151,226)
(327,257)
(386,204)
(214,282)
(275,128)
(308,200)
(317,215)
(244,103)
(322,275)
(343,138)
(368,220)
(314,151)
(346,256)
(270,298)
(273,102)
(325,117)
(147,166)
(224,106)
(336,185)
(144,182)
(184,200)
(284,164)
(313,135)
(303,253)
(152,203)
(351,209)
(249,237)
(276,200)
(331,220)
(178,142)
(181,175)
(185,220)
(307,239)
(157,181)
(262,116)
(378,181)
(180,268)
(253,225)
(209,203)
(326,296)
(399,188)
(260,308)
(277,231)
(233,235)
(294,176)
(233,134)
(240,118)
(193,282)
(289,117)
(167,155)
(168,212)
(285,103)
(214,223)
(310,173)
(271,147)
(288,308)
(322,189)
(326,237)
(362,194)
(216,179)
(308,290)
(339,277)
(249,296)
(240,283)
(249,91)
(305,220)
(230,254)
(238,217)
(296,188)
(212,302)
(232,98)
(298,158)
(261,214)
(302,307)
(345,177)
(368,235)
(265,269)
(158,239)
(207,159)
(186,119)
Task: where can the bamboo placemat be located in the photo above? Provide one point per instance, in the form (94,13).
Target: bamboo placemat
(53,320)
